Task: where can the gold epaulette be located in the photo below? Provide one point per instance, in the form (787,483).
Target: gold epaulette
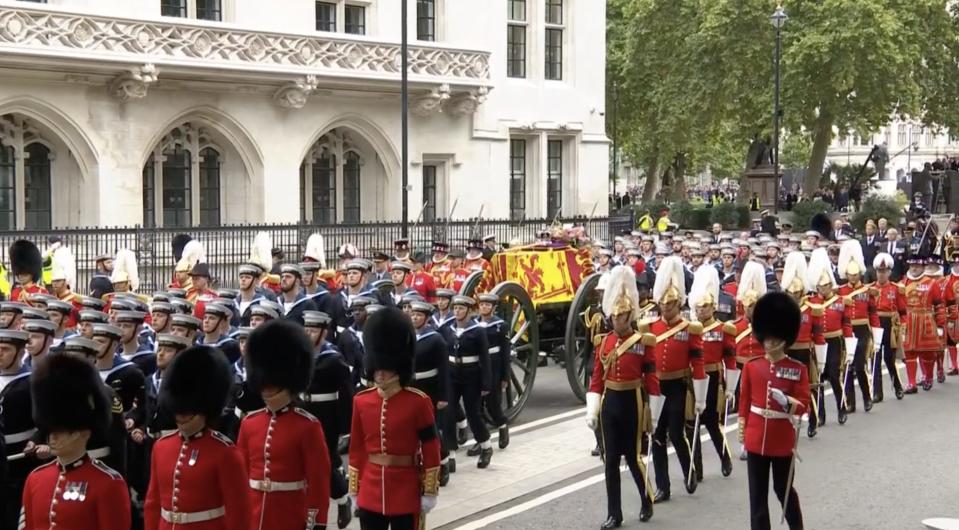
(648,339)
(644,325)
(816,310)
(729,328)
(416,391)
(695,328)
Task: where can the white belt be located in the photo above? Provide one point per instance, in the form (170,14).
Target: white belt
(770,414)
(18,437)
(318,398)
(427,374)
(194,517)
(494,349)
(100,453)
(469,359)
(268,485)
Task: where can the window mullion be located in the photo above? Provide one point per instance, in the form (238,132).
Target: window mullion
(158,159)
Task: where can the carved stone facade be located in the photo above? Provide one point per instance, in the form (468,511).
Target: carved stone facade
(262,102)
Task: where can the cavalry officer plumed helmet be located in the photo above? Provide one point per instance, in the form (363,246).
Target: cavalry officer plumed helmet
(279,353)
(125,269)
(193,254)
(851,260)
(794,274)
(68,396)
(776,316)
(620,294)
(752,284)
(883,261)
(705,289)
(198,381)
(818,274)
(390,343)
(670,285)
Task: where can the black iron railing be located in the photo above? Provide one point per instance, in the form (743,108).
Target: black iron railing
(229,246)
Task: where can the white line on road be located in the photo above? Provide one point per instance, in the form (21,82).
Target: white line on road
(574,487)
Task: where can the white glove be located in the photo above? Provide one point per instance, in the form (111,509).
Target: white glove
(592,410)
(851,343)
(427,503)
(821,353)
(732,379)
(656,408)
(939,332)
(779,397)
(876,339)
(700,387)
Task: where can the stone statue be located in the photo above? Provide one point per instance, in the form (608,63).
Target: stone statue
(759,154)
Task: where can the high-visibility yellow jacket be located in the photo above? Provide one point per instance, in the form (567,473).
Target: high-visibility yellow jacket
(645,223)
(663,224)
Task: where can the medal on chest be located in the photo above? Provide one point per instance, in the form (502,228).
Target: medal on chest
(789,374)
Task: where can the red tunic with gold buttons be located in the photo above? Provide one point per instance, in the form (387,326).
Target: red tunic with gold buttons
(21,293)
(860,305)
(678,350)
(810,327)
(289,484)
(200,479)
(394,451)
(199,298)
(424,284)
(768,430)
(739,337)
(79,496)
(717,351)
(458,278)
(835,319)
(925,315)
(632,366)
(75,300)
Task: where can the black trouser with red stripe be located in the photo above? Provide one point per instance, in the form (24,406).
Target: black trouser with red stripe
(888,354)
(672,422)
(710,418)
(619,418)
(863,334)
(758,469)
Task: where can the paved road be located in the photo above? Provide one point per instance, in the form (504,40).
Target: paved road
(888,469)
(551,395)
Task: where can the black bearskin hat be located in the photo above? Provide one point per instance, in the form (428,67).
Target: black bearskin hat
(198,381)
(279,353)
(25,258)
(68,396)
(179,243)
(390,343)
(821,223)
(776,315)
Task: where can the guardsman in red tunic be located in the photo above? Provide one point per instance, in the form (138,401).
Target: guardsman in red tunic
(283,446)
(422,281)
(199,294)
(774,394)
(26,263)
(738,333)
(676,347)
(809,347)
(836,332)
(951,295)
(197,476)
(74,491)
(859,299)
(616,401)
(924,324)
(394,446)
(719,360)
(890,303)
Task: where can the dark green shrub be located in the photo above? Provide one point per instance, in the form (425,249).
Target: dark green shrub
(804,211)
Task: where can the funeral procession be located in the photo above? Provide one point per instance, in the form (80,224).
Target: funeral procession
(479,264)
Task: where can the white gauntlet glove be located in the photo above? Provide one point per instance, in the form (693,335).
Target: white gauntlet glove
(821,354)
(779,397)
(427,503)
(656,408)
(851,343)
(592,410)
(700,387)
(732,379)
(876,339)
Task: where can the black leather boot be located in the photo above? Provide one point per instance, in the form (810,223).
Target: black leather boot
(485,456)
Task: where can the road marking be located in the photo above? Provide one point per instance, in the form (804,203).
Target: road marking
(543,421)
(576,486)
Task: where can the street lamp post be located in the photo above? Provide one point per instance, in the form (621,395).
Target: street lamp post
(405,120)
(779,20)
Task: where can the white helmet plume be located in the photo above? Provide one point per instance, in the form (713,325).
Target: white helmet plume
(670,281)
(820,269)
(315,249)
(125,269)
(851,260)
(620,294)
(261,253)
(795,269)
(705,288)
